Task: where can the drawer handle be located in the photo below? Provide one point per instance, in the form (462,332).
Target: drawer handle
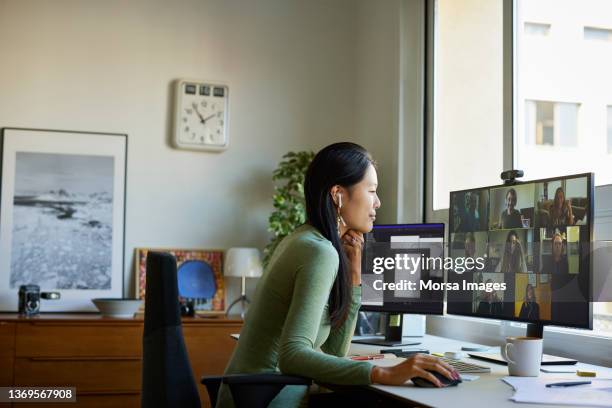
(86,358)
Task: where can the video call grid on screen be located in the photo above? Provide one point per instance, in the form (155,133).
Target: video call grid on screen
(552,267)
(380,243)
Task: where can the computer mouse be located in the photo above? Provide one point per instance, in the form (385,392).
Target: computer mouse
(422,382)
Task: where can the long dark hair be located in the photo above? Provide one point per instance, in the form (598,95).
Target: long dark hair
(343,164)
(512,261)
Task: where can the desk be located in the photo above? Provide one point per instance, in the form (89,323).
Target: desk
(486,392)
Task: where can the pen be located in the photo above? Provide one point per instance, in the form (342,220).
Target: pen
(372,357)
(567,384)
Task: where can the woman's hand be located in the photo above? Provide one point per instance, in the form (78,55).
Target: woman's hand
(352,241)
(416,366)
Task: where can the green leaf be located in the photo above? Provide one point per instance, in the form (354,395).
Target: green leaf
(288,199)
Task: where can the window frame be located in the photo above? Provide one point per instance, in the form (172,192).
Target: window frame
(509,120)
(559,340)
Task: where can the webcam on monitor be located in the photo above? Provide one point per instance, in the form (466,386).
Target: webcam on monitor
(510,176)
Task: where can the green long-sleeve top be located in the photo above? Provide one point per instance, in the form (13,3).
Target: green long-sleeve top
(288,321)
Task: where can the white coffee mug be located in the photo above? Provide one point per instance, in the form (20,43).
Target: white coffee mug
(524,356)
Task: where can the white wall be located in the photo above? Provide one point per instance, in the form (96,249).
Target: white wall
(377,93)
(107,66)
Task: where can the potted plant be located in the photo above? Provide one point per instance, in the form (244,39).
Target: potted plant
(288,200)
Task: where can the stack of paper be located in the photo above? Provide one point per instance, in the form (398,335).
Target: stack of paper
(533,390)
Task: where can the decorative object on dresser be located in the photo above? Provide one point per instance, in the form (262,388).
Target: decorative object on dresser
(200,277)
(62,214)
(201,115)
(29,299)
(117,307)
(242,263)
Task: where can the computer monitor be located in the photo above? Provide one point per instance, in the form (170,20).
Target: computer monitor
(414,240)
(535,238)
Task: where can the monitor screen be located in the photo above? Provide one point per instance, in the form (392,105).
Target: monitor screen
(535,238)
(413,240)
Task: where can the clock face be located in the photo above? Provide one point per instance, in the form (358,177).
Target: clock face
(201,115)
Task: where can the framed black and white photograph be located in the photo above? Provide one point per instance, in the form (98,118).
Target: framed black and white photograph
(62,212)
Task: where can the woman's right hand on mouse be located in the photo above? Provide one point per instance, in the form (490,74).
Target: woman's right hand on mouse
(418,365)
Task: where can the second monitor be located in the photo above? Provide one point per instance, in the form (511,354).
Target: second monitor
(409,240)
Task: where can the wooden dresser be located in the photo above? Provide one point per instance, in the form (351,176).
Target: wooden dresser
(99,356)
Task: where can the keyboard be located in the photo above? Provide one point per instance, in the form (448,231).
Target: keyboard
(465,367)
(459,365)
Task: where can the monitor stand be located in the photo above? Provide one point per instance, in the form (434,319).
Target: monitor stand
(535,330)
(393,334)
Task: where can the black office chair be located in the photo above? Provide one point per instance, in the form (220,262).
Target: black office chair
(167,379)
(251,390)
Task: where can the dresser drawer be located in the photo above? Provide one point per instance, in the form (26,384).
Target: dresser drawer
(7,353)
(49,339)
(201,340)
(103,375)
(93,401)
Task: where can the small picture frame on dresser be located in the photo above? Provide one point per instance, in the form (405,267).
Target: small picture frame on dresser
(196,268)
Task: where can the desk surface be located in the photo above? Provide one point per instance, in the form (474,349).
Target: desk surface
(488,391)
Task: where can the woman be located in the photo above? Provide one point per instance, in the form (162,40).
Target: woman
(513,260)
(470,245)
(309,294)
(556,263)
(530,308)
(511,217)
(561,210)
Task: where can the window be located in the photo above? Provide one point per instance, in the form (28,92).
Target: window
(563,122)
(559,89)
(562,90)
(468,104)
(551,123)
(600,34)
(537,29)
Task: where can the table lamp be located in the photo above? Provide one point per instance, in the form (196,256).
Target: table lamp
(242,263)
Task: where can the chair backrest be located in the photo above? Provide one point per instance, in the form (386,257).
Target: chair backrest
(167,378)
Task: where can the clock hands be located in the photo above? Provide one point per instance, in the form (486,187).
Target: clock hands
(195,107)
(202,118)
(205,119)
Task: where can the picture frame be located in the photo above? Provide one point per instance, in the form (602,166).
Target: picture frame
(212,257)
(62,216)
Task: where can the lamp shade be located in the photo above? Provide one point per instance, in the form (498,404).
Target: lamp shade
(243,262)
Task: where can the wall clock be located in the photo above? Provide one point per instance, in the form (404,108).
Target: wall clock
(201,115)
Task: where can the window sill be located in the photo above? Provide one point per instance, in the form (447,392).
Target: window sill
(583,345)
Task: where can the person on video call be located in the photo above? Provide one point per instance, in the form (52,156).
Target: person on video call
(513,260)
(305,307)
(511,217)
(470,245)
(561,210)
(489,302)
(470,219)
(470,249)
(556,264)
(530,308)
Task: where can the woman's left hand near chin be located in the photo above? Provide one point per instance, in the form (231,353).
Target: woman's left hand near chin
(352,241)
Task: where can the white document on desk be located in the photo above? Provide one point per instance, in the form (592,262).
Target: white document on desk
(533,390)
